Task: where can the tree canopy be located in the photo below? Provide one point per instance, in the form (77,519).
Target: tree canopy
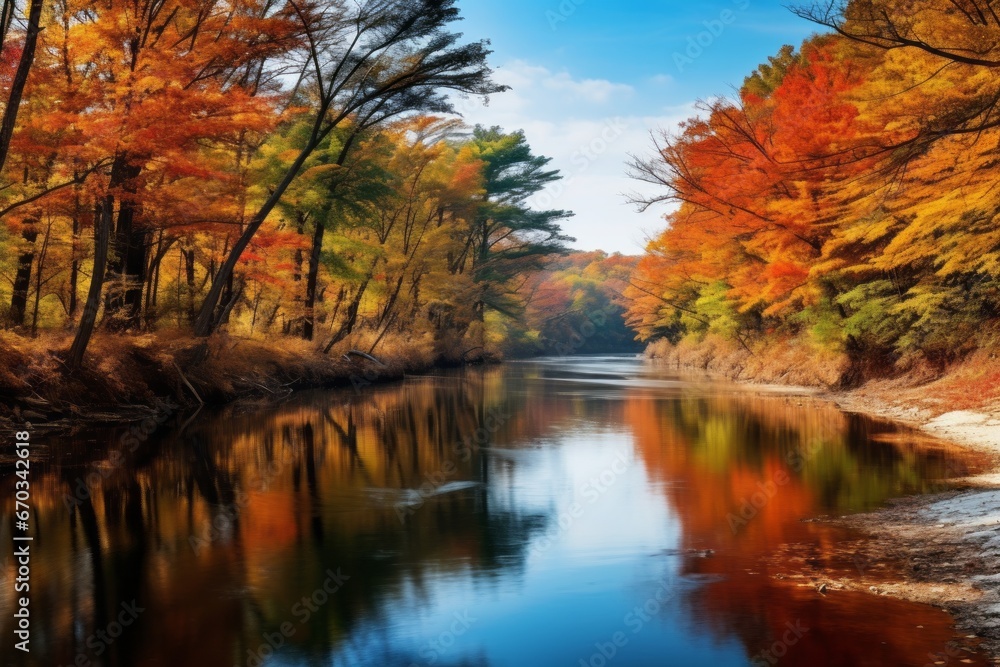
(845,196)
(259,167)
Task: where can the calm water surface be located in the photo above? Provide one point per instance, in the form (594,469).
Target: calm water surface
(581,511)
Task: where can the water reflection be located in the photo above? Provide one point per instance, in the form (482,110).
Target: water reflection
(538,513)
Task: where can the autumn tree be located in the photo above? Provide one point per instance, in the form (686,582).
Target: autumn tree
(409,228)
(573,306)
(751,177)
(291,167)
(812,209)
(959,40)
(508,235)
(161,79)
(368,61)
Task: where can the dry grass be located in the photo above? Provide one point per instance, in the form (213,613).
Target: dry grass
(139,370)
(972,383)
(34,380)
(790,362)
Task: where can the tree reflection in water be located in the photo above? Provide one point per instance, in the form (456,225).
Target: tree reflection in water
(430,495)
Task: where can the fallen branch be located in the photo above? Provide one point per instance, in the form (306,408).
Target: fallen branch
(473,349)
(190,419)
(189,385)
(363,355)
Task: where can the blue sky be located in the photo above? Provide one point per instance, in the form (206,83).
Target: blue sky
(591,78)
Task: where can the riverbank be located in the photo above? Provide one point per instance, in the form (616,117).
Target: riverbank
(959,403)
(941,549)
(127,379)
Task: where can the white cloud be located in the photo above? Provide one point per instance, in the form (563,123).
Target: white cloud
(591,90)
(528,80)
(589,128)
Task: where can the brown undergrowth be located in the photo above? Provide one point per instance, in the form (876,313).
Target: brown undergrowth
(127,377)
(779,362)
(911,390)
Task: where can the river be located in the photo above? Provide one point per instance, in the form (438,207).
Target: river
(583,511)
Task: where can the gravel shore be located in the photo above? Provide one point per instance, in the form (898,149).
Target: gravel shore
(941,549)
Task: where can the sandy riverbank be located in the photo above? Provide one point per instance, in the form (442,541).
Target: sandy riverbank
(940,549)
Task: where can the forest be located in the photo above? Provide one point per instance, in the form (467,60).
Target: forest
(843,202)
(294,177)
(273,172)
(303,366)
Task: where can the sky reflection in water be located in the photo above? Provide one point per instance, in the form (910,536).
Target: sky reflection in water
(591,519)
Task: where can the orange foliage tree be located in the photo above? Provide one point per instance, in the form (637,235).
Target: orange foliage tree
(842,199)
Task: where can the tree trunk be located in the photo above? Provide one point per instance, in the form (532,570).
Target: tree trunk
(256,306)
(227,306)
(128,266)
(207,318)
(189,278)
(206,321)
(22,278)
(38,278)
(228,301)
(415,293)
(102,234)
(309,321)
(6,17)
(300,257)
(378,340)
(336,306)
(352,316)
(20,79)
(391,303)
(269,322)
(153,278)
(74,269)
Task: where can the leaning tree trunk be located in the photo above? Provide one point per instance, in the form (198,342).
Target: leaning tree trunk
(352,316)
(229,297)
(102,234)
(6,17)
(20,79)
(309,323)
(38,278)
(208,317)
(189,281)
